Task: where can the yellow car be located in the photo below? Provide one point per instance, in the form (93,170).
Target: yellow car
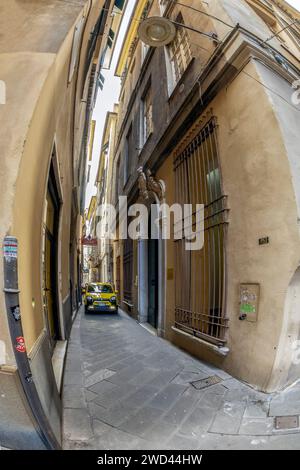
(100,297)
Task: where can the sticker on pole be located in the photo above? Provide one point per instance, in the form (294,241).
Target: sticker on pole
(20,346)
(10,248)
(16,313)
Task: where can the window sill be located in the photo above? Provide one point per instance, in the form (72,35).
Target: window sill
(181,80)
(220,350)
(145,143)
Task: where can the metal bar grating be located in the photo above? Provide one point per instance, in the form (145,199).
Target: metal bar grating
(200,275)
(128,270)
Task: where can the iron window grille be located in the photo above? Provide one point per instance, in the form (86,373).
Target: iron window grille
(128,271)
(200,278)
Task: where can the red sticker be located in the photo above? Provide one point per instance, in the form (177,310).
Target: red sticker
(20,339)
(21,344)
(20,348)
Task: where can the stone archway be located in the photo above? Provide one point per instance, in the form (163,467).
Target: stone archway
(152,194)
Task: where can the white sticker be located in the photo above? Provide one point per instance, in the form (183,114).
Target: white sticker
(10,249)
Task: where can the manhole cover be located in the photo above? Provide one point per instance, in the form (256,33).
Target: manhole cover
(204,383)
(286,422)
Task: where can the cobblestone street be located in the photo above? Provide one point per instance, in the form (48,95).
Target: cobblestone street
(125,388)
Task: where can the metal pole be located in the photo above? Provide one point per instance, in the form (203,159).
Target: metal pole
(11,291)
(212,36)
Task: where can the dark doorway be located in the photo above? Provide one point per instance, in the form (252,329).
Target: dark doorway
(50,259)
(118,275)
(152,282)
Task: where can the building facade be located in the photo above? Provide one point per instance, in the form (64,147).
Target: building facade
(104,187)
(90,248)
(210,119)
(51,54)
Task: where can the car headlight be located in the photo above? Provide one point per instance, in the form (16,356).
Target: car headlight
(113,299)
(89,299)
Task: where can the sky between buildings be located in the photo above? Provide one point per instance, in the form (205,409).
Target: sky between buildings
(105,102)
(110,95)
(295,3)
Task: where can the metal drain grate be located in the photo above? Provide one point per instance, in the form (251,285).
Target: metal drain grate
(204,383)
(286,422)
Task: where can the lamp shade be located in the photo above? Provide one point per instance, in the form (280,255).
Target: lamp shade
(156,31)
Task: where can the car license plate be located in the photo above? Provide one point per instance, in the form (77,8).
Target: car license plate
(100,303)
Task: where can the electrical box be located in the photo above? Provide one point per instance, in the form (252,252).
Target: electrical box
(249,298)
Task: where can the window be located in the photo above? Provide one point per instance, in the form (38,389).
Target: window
(131,79)
(117,181)
(75,47)
(97,31)
(179,51)
(127,156)
(163,5)
(119,4)
(146,117)
(126,159)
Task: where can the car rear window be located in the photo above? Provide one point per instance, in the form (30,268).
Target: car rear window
(105,288)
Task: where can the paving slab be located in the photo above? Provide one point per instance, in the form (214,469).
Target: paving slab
(77,425)
(138,423)
(168,396)
(257,426)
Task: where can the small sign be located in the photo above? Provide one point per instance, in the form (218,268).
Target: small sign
(249,297)
(89,241)
(263,241)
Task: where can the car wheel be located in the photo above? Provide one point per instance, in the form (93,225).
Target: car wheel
(86,310)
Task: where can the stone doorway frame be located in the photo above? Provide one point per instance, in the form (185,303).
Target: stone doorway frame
(151,192)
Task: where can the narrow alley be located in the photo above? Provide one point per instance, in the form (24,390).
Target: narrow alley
(125,388)
(149,225)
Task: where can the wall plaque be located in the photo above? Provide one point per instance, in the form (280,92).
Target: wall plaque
(249,298)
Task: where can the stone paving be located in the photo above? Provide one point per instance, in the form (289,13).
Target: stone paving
(125,388)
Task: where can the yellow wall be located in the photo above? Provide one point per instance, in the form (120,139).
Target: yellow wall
(257,179)
(40,106)
(54,101)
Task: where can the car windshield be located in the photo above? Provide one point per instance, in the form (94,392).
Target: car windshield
(102,288)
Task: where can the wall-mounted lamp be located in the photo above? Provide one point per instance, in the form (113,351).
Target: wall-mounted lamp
(157,31)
